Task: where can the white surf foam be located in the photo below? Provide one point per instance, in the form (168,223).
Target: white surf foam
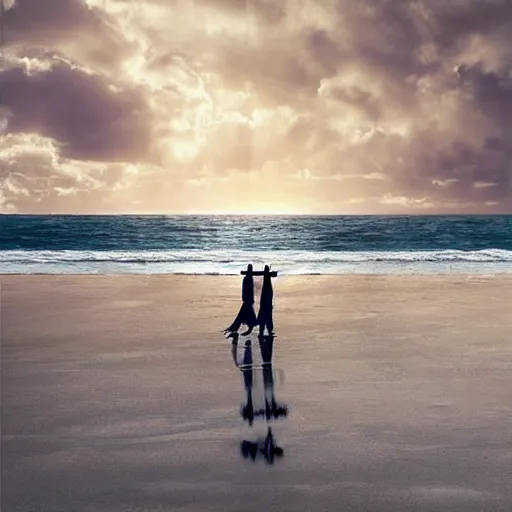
(194,261)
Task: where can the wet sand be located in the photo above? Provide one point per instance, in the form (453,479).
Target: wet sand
(121,394)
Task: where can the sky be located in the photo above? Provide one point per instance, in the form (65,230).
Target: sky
(256,106)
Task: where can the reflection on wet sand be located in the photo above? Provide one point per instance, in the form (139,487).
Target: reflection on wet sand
(266,447)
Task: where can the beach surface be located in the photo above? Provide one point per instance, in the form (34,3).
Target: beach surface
(120,393)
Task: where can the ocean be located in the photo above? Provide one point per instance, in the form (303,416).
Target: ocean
(120,244)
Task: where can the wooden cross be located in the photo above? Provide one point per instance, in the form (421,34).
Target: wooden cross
(272,273)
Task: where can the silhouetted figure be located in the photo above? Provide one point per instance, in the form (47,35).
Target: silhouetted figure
(246,315)
(267,296)
(267,447)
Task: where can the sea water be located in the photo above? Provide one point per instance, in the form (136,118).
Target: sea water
(226,244)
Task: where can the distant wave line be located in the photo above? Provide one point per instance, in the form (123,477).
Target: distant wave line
(233,257)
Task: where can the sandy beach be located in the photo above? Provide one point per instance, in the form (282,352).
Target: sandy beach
(120,393)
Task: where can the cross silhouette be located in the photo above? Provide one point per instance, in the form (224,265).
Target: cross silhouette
(273,273)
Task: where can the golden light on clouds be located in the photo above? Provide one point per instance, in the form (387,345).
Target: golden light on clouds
(256,106)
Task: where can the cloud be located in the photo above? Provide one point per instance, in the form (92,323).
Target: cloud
(445,183)
(31,172)
(36,178)
(388,106)
(81,32)
(52,97)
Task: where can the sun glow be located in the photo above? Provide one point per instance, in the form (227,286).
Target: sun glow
(260,211)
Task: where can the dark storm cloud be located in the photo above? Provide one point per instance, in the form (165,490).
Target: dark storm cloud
(48,20)
(88,34)
(491,91)
(79,111)
(463,17)
(469,151)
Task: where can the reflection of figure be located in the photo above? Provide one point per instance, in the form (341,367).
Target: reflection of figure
(234,348)
(267,349)
(247,410)
(246,314)
(272,408)
(267,447)
(265,312)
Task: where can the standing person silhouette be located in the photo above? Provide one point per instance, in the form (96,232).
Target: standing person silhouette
(265,312)
(246,315)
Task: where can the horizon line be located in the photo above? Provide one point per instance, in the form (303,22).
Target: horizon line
(188,214)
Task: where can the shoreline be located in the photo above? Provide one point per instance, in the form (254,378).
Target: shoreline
(279,276)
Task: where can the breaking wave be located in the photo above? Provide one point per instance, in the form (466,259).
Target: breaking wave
(196,261)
